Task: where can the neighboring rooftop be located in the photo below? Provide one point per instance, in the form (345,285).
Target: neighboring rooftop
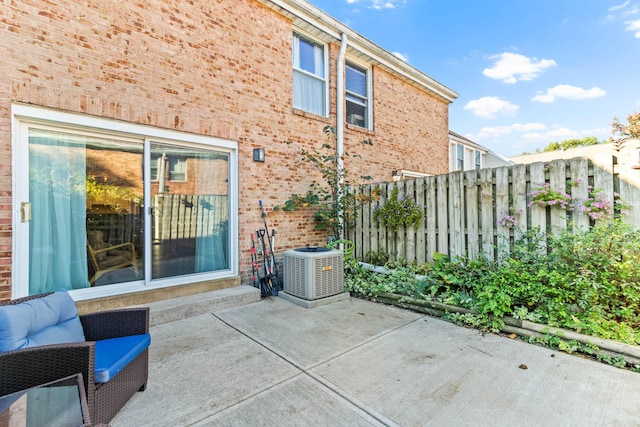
(588,152)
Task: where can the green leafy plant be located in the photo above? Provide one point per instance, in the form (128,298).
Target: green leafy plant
(335,208)
(585,281)
(543,195)
(596,206)
(508,218)
(397,211)
(379,257)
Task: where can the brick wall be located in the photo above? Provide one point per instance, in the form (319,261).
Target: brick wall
(211,67)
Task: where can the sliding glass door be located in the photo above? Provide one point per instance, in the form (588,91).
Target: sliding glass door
(102,208)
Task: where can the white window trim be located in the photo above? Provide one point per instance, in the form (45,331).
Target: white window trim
(297,33)
(368,69)
(458,158)
(183,180)
(24,115)
(408,174)
(477,159)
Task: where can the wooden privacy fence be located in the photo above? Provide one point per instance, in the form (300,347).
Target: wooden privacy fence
(481,211)
(186,216)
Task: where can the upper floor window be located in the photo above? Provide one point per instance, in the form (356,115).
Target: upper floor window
(309,76)
(478,159)
(357,95)
(460,157)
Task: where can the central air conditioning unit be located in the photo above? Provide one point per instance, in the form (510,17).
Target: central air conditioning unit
(313,272)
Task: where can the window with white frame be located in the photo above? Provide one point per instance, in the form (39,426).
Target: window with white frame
(309,76)
(357,94)
(478,159)
(177,169)
(460,157)
(94,182)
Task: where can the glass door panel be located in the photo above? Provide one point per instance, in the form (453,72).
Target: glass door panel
(190,210)
(86,223)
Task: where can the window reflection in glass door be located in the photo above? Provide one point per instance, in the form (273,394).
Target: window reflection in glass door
(190,210)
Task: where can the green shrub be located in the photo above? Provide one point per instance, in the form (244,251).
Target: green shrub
(588,282)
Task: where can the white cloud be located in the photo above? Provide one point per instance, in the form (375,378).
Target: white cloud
(489,107)
(500,131)
(569,92)
(511,67)
(563,133)
(509,139)
(612,8)
(634,26)
(401,56)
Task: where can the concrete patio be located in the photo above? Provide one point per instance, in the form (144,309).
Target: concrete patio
(353,362)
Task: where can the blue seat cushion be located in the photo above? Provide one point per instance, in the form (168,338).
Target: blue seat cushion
(114,354)
(48,320)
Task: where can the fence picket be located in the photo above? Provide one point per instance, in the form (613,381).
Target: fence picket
(456,203)
(431,217)
(486,212)
(410,232)
(519,191)
(628,163)
(442,214)
(538,213)
(579,192)
(603,177)
(420,229)
(471,202)
(558,181)
(502,210)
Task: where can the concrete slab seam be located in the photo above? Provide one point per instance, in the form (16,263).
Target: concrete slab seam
(251,396)
(327,384)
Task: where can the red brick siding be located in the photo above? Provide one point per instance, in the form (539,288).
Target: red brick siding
(216,67)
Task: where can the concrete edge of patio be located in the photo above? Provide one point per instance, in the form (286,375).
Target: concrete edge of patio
(174,309)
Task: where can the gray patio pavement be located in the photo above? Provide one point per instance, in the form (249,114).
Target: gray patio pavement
(358,363)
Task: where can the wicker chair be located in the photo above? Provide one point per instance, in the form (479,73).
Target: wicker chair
(29,367)
(105,257)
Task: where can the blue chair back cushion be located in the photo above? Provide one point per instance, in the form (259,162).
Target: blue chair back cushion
(113,354)
(49,320)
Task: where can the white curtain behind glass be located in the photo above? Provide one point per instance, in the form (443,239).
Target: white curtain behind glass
(308,77)
(57,233)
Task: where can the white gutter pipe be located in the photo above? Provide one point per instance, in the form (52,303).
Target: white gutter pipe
(340,114)
(340,100)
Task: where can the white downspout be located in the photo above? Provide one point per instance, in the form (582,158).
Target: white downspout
(340,114)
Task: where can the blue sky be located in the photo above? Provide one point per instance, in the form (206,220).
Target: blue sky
(529,72)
